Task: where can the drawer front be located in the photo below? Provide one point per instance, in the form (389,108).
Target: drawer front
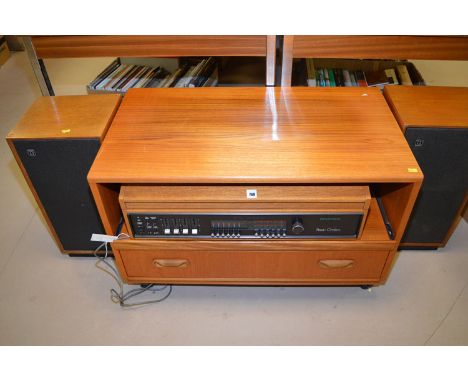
(251,266)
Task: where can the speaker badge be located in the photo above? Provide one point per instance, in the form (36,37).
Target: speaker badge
(31,153)
(419,142)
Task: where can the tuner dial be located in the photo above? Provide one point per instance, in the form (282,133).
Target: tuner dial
(297,227)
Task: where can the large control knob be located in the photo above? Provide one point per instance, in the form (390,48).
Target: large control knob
(297,227)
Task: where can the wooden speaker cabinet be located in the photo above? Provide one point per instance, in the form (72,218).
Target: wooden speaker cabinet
(210,180)
(55,144)
(435,123)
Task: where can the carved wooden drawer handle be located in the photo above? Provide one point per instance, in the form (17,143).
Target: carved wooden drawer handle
(173,263)
(336,264)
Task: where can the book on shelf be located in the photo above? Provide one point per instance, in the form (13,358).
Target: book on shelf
(175,77)
(105,73)
(337,77)
(404,75)
(376,78)
(392,77)
(146,77)
(331,75)
(347,78)
(326,78)
(207,75)
(320,77)
(101,85)
(119,77)
(127,78)
(360,78)
(199,74)
(311,78)
(156,78)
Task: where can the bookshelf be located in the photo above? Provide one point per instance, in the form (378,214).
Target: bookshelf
(42,47)
(371,47)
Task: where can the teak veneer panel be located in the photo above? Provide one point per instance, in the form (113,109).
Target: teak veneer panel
(428,106)
(254,135)
(381,47)
(60,117)
(257,266)
(137,198)
(148,46)
(235,194)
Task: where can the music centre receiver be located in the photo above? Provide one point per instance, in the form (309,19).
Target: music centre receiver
(251,226)
(315,212)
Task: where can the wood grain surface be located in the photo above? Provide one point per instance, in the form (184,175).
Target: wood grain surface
(149,46)
(237,194)
(382,47)
(201,267)
(428,106)
(254,135)
(61,117)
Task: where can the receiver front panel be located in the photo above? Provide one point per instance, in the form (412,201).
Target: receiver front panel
(245,225)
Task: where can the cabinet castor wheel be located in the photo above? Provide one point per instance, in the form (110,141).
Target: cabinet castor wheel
(367,287)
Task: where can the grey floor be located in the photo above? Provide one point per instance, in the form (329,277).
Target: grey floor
(48,298)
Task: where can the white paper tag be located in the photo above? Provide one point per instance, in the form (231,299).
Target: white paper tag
(251,194)
(103,238)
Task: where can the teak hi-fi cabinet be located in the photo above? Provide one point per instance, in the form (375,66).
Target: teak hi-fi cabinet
(220,181)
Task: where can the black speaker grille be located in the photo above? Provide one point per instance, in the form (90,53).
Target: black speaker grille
(442,154)
(58,170)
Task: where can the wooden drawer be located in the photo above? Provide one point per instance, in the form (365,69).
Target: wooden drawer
(253,267)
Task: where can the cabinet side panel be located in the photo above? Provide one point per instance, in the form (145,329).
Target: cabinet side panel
(106,197)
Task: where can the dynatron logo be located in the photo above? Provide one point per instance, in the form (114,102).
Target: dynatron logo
(31,153)
(419,142)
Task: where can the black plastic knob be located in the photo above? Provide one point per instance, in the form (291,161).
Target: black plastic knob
(297,227)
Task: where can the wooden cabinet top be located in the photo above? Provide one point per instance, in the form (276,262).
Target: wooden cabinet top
(84,116)
(429,106)
(254,135)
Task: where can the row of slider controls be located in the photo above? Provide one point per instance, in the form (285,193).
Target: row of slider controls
(271,233)
(227,235)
